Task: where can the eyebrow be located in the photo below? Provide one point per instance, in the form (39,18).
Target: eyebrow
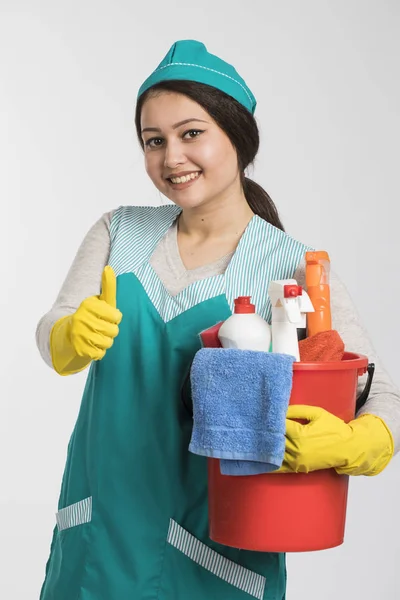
(174,126)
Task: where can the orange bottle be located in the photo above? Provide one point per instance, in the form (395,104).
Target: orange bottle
(318,289)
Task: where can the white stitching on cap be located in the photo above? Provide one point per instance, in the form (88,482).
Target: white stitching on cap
(208,69)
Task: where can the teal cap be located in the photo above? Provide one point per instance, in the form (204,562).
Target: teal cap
(190,61)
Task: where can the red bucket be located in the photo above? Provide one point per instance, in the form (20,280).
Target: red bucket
(297,512)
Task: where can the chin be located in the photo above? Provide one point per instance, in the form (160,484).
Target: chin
(186,203)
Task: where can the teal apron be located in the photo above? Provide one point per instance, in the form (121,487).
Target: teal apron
(132,521)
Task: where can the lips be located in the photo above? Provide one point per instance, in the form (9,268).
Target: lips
(184,182)
(183,174)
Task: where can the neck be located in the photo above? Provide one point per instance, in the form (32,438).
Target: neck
(217,219)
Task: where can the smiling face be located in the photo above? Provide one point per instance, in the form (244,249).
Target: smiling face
(187,155)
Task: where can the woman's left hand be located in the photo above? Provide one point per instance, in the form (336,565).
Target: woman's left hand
(362,447)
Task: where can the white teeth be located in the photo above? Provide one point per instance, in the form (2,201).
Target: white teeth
(185,178)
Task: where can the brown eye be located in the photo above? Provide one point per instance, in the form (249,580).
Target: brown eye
(192,133)
(154,142)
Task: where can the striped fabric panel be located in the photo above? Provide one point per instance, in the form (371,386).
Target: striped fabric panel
(268,254)
(222,567)
(264,254)
(75,514)
(170,307)
(135,232)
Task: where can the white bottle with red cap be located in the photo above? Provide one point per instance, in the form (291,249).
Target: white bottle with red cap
(245,329)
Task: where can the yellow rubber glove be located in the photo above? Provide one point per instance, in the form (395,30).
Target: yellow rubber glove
(77,339)
(362,447)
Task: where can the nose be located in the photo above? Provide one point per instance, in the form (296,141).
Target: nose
(173,155)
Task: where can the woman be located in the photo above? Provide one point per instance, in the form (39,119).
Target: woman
(132,520)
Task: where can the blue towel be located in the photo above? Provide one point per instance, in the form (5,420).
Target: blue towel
(240,399)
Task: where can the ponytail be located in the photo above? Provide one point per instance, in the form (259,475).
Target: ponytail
(260,202)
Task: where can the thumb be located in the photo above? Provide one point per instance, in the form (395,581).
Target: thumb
(299,415)
(109,287)
(304,412)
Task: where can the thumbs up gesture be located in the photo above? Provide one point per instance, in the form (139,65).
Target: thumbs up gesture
(86,335)
(94,325)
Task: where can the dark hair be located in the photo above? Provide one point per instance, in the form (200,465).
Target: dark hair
(238,124)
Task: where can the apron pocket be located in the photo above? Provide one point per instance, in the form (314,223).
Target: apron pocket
(75,514)
(192,569)
(69,552)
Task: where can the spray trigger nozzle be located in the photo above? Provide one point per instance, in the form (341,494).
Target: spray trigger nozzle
(292,291)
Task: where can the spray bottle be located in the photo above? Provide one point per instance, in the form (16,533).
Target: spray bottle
(245,329)
(290,303)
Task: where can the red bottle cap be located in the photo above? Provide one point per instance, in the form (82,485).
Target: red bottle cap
(243,305)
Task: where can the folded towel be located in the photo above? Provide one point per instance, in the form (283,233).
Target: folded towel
(323,346)
(240,399)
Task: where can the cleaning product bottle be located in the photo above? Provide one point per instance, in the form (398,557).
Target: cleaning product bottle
(245,329)
(317,282)
(288,309)
(306,307)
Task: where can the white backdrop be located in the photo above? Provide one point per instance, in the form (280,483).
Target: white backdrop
(326,77)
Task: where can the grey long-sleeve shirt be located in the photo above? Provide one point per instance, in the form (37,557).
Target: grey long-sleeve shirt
(84,280)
